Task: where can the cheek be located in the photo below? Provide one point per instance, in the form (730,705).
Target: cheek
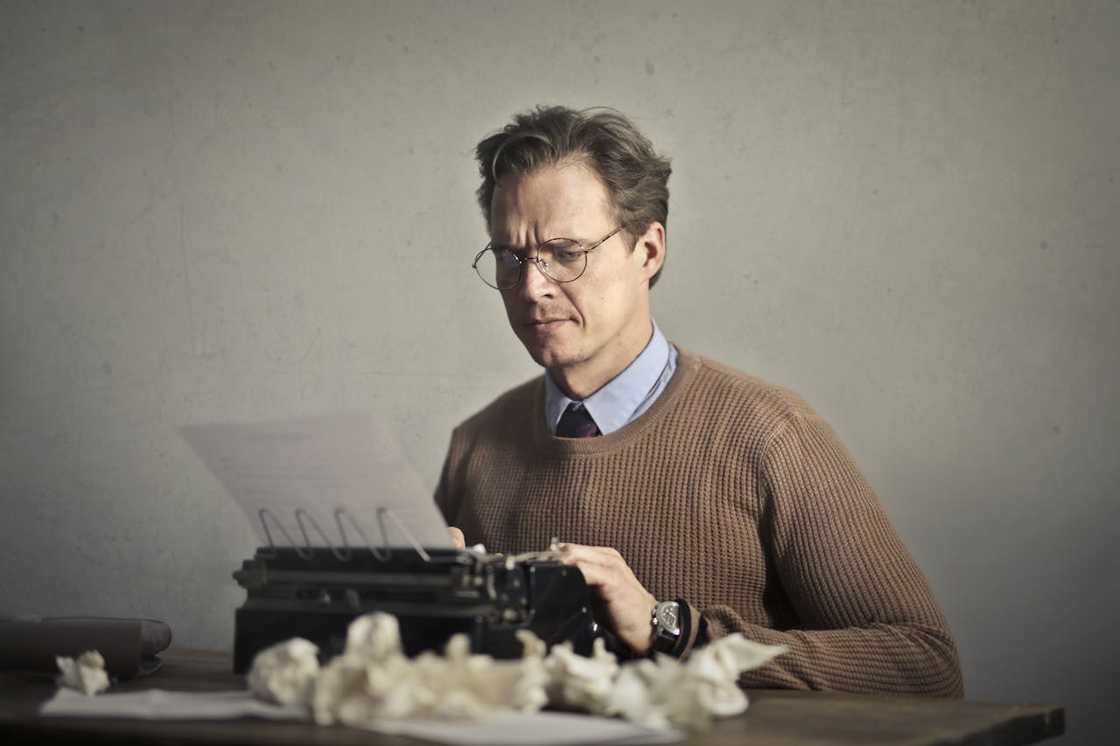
(582,304)
(512,313)
(603,302)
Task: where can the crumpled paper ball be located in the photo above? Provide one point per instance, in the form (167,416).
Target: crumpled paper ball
(374,637)
(579,681)
(712,672)
(285,673)
(86,673)
(666,692)
(373,682)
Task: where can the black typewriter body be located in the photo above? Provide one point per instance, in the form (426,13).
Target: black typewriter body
(315,593)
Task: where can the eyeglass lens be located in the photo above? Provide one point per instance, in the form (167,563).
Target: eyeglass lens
(561,259)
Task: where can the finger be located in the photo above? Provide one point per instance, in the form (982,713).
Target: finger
(594,571)
(610,579)
(457,537)
(587,547)
(596,555)
(594,574)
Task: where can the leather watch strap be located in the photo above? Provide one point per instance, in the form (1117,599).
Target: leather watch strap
(684,620)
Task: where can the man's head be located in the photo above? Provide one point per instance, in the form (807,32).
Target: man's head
(635,176)
(558,173)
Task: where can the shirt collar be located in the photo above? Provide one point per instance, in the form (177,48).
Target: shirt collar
(614,404)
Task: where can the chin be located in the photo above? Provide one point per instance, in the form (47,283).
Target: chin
(550,356)
(544,358)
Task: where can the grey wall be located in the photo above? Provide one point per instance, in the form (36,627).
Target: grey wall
(907,212)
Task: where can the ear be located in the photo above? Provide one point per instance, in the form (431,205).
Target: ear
(651,248)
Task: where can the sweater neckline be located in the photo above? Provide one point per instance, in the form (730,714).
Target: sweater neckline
(547,442)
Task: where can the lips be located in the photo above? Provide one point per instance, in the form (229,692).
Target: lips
(545,326)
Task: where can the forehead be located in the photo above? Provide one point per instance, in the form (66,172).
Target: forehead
(568,199)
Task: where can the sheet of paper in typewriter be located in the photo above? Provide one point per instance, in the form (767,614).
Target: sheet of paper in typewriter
(331,480)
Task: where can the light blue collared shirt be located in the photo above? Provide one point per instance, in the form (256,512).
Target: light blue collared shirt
(626,396)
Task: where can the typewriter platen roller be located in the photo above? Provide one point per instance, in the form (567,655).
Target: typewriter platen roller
(315,593)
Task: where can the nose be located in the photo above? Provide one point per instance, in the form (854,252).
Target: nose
(534,283)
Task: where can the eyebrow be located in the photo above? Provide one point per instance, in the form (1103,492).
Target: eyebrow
(511,247)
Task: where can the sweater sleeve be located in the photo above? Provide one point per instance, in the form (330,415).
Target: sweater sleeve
(868,620)
(449,493)
(443,494)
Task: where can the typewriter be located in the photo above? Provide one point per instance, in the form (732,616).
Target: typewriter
(315,593)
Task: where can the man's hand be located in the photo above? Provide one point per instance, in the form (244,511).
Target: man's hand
(627,601)
(457,537)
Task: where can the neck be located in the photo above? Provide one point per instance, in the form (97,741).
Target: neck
(581,380)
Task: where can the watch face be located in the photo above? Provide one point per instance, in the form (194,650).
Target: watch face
(667,617)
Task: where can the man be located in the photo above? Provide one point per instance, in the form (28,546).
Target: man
(697,500)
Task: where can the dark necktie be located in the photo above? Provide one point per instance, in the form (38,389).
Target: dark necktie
(577,423)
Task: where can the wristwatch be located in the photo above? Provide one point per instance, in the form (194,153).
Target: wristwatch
(667,623)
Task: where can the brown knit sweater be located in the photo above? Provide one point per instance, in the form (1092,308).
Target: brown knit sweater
(733,494)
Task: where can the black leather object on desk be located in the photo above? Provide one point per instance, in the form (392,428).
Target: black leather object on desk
(130,647)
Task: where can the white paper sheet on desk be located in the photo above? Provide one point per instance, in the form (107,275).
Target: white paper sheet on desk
(158,704)
(530,729)
(322,480)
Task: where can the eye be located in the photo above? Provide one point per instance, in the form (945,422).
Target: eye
(564,252)
(507,257)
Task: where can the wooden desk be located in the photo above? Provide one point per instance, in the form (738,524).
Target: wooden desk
(775,718)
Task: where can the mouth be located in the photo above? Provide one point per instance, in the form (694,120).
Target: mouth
(543,326)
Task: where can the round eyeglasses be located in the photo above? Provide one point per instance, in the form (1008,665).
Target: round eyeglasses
(558,259)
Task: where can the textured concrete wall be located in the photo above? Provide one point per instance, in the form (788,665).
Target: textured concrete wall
(908,212)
